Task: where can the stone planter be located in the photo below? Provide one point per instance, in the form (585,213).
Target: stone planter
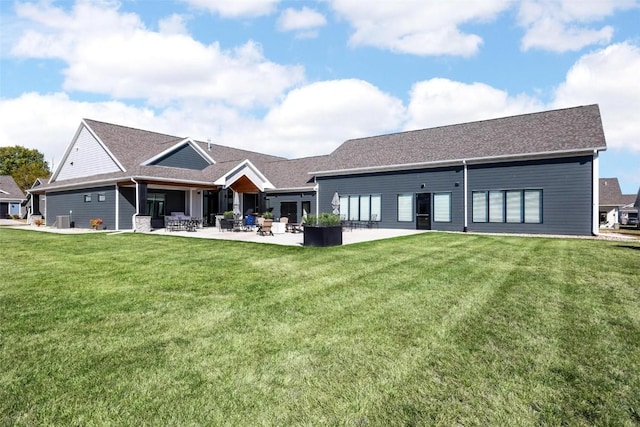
(322,236)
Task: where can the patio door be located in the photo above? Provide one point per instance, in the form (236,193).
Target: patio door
(290,210)
(423,211)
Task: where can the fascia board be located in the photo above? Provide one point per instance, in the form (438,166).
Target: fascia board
(235,173)
(72,143)
(174,147)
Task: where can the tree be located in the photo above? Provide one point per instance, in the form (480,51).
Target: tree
(23,164)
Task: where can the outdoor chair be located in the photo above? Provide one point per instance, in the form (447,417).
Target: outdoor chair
(373,222)
(266,228)
(296,228)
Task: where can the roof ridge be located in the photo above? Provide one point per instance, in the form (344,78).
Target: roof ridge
(133,128)
(495,119)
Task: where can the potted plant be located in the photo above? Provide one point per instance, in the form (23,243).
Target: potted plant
(322,230)
(267,215)
(226,223)
(38,222)
(96,223)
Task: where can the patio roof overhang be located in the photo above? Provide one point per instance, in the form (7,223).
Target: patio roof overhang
(245,178)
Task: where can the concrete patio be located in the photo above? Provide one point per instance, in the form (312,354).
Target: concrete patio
(287,239)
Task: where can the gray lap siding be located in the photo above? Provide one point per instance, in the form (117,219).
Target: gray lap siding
(390,184)
(566,186)
(64,202)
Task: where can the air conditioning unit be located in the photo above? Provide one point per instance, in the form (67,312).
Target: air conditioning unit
(62,221)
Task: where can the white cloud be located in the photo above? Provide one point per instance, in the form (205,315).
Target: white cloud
(114,54)
(563,25)
(236,8)
(48,122)
(303,21)
(439,102)
(173,24)
(608,77)
(316,118)
(418,27)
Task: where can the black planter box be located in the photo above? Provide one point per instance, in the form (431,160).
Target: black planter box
(322,236)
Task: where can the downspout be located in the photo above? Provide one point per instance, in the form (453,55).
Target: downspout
(595,220)
(117,208)
(317,190)
(464,185)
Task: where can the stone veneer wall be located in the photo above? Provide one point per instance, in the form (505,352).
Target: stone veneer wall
(143,223)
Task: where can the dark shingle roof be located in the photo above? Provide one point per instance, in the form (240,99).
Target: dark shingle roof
(10,189)
(611,195)
(557,131)
(294,173)
(134,146)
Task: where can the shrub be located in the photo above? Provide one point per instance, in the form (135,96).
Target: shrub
(325,219)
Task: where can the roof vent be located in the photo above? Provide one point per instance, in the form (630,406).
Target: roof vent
(208,144)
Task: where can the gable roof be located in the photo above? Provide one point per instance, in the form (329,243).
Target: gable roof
(9,190)
(611,195)
(558,132)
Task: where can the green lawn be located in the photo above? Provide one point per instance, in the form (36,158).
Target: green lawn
(432,329)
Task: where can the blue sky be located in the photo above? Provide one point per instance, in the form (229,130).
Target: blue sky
(298,78)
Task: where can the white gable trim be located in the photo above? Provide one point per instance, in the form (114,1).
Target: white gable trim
(5,192)
(84,125)
(248,169)
(175,147)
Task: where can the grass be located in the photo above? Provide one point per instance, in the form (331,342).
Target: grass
(433,329)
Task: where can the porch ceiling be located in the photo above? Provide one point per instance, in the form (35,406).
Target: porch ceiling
(244,185)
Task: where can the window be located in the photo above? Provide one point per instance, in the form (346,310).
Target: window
(102,197)
(87,198)
(376,206)
(365,205)
(405,207)
(442,207)
(354,202)
(479,206)
(360,207)
(496,206)
(533,206)
(511,206)
(514,206)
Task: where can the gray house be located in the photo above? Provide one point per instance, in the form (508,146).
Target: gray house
(533,173)
(11,197)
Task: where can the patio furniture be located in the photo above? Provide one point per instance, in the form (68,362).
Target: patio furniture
(278,227)
(266,228)
(226,224)
(296,228)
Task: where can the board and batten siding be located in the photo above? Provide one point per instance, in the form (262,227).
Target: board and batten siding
(566,186)
(390,184)
(64,202)
(87,157)
(184,157)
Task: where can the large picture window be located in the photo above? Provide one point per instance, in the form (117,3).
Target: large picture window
(533,206)
(511,206)
(405,207)
(496,206)
(442,207)
(360,207)
(480,206)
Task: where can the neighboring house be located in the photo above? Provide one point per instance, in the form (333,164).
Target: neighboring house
(11,198)
(616,208)
(509,175)
(40,208)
